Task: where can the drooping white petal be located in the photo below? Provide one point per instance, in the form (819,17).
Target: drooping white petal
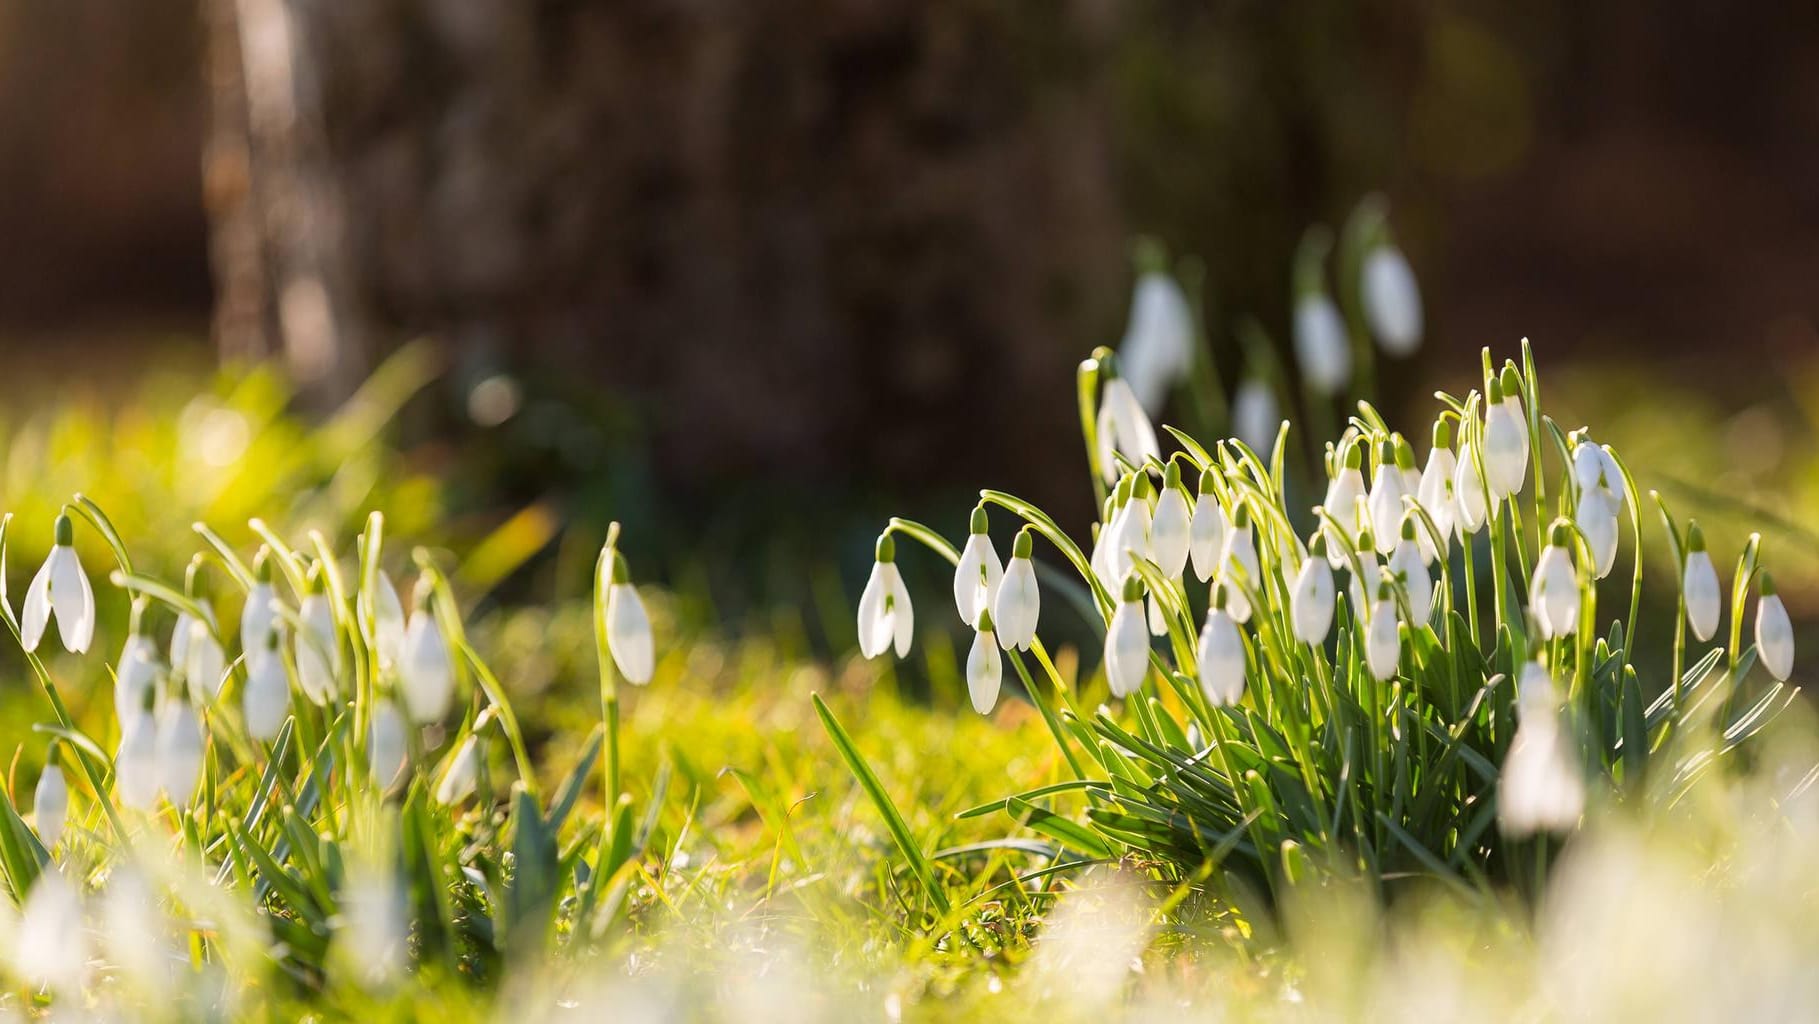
(1505,448)
(386,744)
(136,773)
(1321,346)
(388,620)
(180,750)
(1597,520)
(1238,569)
(1541,788)
(897,610)
(1342,495)
(1018,606)
(628,633)
(1170,532)
(257,620)
(1774,636)
(1256,418)
(1221,659)
(1367,575)
(1125,428)
(1157,349)
(137,939)
(1553,594)
(52,944)
(426,676)
(1206,536)
(1436,496)
(1131,538)
(267,699)
(1387,490)
(1392,301)
(1702,597)
(1473,507)
(36,613)
(206,667)
(1407,565)
(463,773)
(1311,601)
(135,677)
(1382,644)
(977,578)
(874,625)
(984,671)
(317,652)
(1127,648)
(372,942)
(50,805)
(72,599)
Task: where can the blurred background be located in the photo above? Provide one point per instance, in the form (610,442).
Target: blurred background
(754,276)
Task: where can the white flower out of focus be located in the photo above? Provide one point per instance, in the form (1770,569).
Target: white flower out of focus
(1553,594)
(426,673)
(50,804)
(1158,346)
(1541,788)
(628,626)
(1123,428)
(1392,300)
(1774,631)
(1256,418)
(1322,348)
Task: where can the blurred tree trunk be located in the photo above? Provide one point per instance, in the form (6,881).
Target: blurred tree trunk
(781,229)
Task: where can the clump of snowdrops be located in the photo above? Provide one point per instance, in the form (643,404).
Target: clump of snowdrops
(1408,676)
(307,802)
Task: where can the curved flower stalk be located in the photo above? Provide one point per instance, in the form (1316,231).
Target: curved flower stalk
(886,619)
(984,667)
(1019,603)
(60,590)
(979,573)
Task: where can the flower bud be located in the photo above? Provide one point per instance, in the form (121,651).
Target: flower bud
(1699,585)
(1774,632)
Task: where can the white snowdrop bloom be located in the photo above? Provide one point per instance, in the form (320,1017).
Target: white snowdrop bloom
(1541,788)
(1311,597)
(137,934)
(1127,642)
(1238,568)
(1595,471)
(984,667)
(462,774)
(1130,538)
(388,620)
(198,656)
(426,673)
(386,745)
(1158,346)
(1123,428)
(1364,575)
(1437,495)
(628,627)
(1256,418)
(1472,506)
(1102,541)
(179,750)
(1597,520)
(373,927)
(260,616)
(1505,438)
(316,649)
(1392,300)
(979,573)
(1699,583)
(1206,533)
(266,701)
(50,805)
(1171,525)
(886,618)
(136,676)
(1553,594)
(52,944)
(1342,494)
(1382,644)
(1774,632)
(1019,603)
(1221,655)
(1410,569)
(1322,347)
(1388,488)
(136,773)
(60,590)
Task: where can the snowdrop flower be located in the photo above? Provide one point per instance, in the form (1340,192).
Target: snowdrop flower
(317,650)
(1595,471)
(179,750)
(1699,583)
(1553,594)
(885,616)
(1364,574)
(1158,345)
(1206,533)
(1127,642)
(1171,525)
(1221,654)
(978,574)
(1240,556)
(198,656)
(60,590)
(1436,493)
(1388,487)
(1597,521)
(1473,504)
(1123,427)
(1102,534)
(984,666)
(1342,494)
(1130,538)
(463,772)
(260,616)
(136,762)
(1392,300)
(373,930)
(52,945)
(138,670)
(1410,569)
(1382,644)
(1311,598)
(266,702)
(1774,632)
(50,803)
(1019,602)
(1505,437)
(426,675)
(388,620)
(1321,346)
(386,746)
(1541,788)
(137,934)
(1256,418)
(628,628)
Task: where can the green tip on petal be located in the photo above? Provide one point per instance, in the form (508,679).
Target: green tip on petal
(1141,488)
(1383,590)
(622,573)
(1493,392)
(1560,536)
(1133,588)
(1241,516)
(1443,433)
(1405,454)
(981,522)
(1316,545)
(1408,526)
(1386,452)
(262,565)
(1171,477)
(65,530)
(1354,456)
(985,621)
(136,623)
(312,581)
(1219,596)
(1025,544)
(1207,486)
(1108,365)
(1511,381)
(887,549)
(1366,542)
(1123,492)
(1767,584)
(1149,255)
(1695,537)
